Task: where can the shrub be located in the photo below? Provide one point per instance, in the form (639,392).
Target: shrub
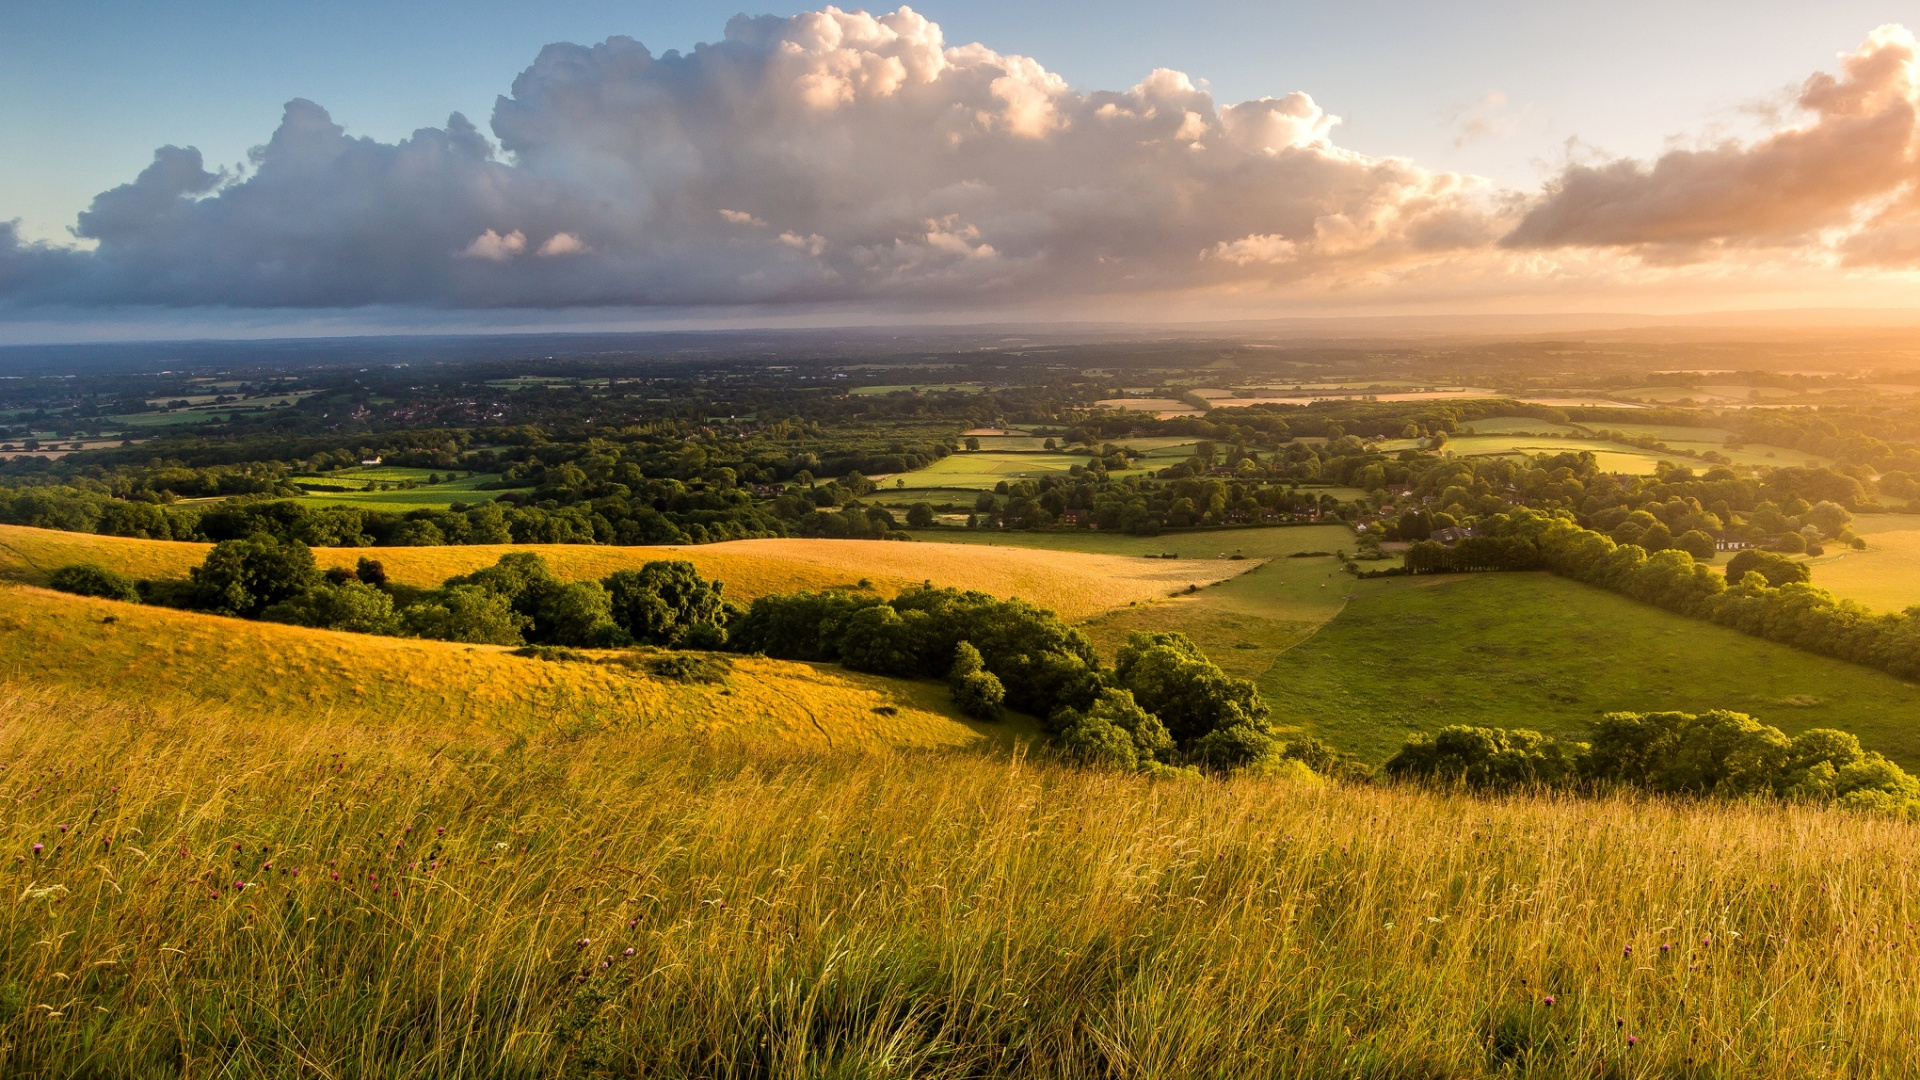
(1113,731)
(1777,569)
(466,613)
(1174,680)
(85,579)
(662,602)
(245,577)
(1485,758)
(976,690)
(352,605)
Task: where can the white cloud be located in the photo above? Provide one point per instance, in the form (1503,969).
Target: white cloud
(563,244)
(846,156)
(494,247)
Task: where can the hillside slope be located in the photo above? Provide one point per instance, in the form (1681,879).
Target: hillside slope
(50,638)
(1075,584)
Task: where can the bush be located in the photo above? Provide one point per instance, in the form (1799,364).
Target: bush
(976,690)
(1113,731)
(85,579)
(1777,569)
(466,613)
(352,605)
(245,577)
(1174,680)
(1485,758)
(662,602)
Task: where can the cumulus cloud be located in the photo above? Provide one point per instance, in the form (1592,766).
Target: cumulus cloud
(829,156)
(1849,167)
(847,156)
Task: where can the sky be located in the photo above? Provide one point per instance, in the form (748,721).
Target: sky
(1129,160)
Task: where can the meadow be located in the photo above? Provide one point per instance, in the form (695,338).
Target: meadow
(980,470)
(1364,664)
(346,487)
(208,891)
(1537,651)
(1076,584)
(160,654)
(1884,577)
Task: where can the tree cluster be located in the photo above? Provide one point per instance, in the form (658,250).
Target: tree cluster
(1717,753)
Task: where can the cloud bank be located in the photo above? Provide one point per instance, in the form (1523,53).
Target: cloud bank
(841,156)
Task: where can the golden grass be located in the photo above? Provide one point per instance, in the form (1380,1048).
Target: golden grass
(159,653)
(615,905)
(1076,585)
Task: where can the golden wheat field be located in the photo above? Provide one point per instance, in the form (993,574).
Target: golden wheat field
(221,891)
(162,654)
(1074,584)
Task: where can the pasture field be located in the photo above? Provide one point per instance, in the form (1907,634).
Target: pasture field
(1886,576)
(159,654)
(1537,651)
(922,388)
(980,470)
(1511,425)
(1076,585)
(438,496)
(1243,623)
(209,891)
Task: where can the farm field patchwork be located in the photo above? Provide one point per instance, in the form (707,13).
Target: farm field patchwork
(1536,651)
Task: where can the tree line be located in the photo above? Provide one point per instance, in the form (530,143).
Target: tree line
(1762,594)
(1713,754)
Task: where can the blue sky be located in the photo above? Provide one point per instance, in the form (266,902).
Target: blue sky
(1638,155)
(89,88)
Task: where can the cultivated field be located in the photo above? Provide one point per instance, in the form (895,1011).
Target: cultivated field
(155,654)
(1076,585)
(218,892)
(980,470)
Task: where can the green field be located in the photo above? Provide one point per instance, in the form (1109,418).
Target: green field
(980,470)
(919,388)
(351,483)
(1507,650)
(1510,425)
(1884,577)
(1537,651)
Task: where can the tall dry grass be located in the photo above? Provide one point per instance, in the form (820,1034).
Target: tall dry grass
(222,894)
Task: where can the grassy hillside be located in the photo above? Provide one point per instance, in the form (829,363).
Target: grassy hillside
(50,638)
(1075,584)
(239,893)
(1533,650)
(1884,577)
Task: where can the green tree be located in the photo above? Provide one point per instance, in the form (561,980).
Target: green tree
(245,577)
(976,690)
(466,613)
(85,579)
(664,601)
(1171,678)
(1777,569)
(920,515)
(349,605)
(1695,543)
